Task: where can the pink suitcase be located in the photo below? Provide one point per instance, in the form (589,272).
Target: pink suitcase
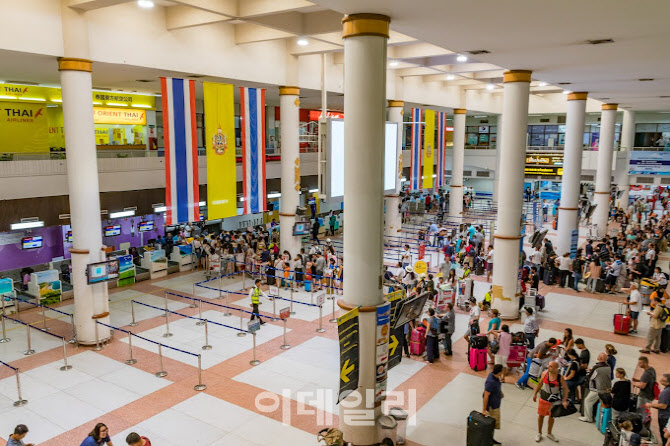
(477,359)
(517,355)
(417,342)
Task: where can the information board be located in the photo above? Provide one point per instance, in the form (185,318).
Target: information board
(347,330)
(649,163)
(544,164)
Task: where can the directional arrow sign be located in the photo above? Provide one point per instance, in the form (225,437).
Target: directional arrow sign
(346,370)
(393,344)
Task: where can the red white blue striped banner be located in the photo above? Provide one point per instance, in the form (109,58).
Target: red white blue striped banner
(181,151)
(441,147)
(417,158)
(253,149)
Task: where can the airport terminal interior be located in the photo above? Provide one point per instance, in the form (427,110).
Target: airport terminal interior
(184,183)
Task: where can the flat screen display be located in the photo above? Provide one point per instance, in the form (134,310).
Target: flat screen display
(111,231)
(301,228)
(68,237)
(31,242)
(103,271)
(146,226)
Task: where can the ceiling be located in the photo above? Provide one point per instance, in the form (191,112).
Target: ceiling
(550,39)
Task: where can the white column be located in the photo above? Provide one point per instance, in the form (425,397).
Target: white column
(289,107)
(82,168)
(627,144)
(510,201)
(393,221)
(458,153)
(496,178)
(568,218)
(604,167)
(365,39)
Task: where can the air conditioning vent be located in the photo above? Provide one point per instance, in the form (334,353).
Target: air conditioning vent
(561,119)
(599,41)
(483,173)
(545,120)
(564,83)
(467,173)
(145,81)
(665,180)
(645,180)
(196,76)
(483,121)
(645,79)
(588,178)
(64,216)
(476,52)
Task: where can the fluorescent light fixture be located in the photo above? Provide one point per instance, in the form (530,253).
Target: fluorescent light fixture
(393,63)
(462,58)
(202,203)
(146,4)
(121,214)
(33,99)
(27,225)
(117,104)
(480,116)
(302,42)
(274,195)
(141,106)
(450,77)
(97,103)
(7,97)
(542,84)
(403,179)
(241,198)
(434,176)
(311,191)
(490,86)
(57,100)
(160,209)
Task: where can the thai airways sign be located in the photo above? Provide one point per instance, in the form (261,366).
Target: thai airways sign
(548,164)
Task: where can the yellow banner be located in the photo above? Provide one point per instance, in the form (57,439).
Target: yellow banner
(36,93)
(428,149)
(24,127)
(55,121)
(119,116)
(220,144)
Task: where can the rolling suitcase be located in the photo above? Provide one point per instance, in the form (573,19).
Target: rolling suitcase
(479,270)
(600,286)
(665,339)
(603,418)
(477,359)
(548,278)
(622,323)
(308,285)
(417,342)
(539,301)
(612,435)
(480,429)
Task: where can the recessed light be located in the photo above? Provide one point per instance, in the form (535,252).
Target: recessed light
(302,42)
(542,84)
(393,63)
(490,86)
(462,58)
(646,79)
(450,77)
(599,41)
(564,83)
(146,4)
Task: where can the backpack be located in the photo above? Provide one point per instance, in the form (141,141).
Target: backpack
(434,326)
(665,313)
(444,326)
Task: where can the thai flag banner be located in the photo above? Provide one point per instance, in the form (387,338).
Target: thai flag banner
(441,147)
(181,151)
(416,170)
(253,149)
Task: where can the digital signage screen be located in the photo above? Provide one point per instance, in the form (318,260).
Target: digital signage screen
(32,242)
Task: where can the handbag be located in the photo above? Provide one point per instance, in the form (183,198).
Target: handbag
(557,409)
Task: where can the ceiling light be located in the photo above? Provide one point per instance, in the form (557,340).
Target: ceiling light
(122,214)
(117,104)
(202,203)
(566,92)
(450,77)
(311,191)
(160,209)
(33,99)
(393,63)
(27,225)
(490,86)
(141,106)
(481,116)
(146,4)
(462,58)
(274,195)
(542,84)
(302,42)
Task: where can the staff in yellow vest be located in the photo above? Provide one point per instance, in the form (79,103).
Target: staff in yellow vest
(254,294)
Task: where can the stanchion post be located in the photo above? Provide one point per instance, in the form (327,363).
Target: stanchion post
(200,322)
(284,346)
(311,292)
(19,402)
(16,304)
(334,318)
(292,312)
(44,319)
(30,350)
(254,361)
(132,313)
(206,346)
(74,331)
(167,333)
(65,366)
(220,287)
(192,304)
(160,373)
(200,386)
(274,306)
(226,312)
(130,360)
(320,329)
(241,333)
(4,337)
(98,345)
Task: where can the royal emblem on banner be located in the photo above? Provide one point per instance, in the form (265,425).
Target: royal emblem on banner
(400,166)
(429,151)
(219,142)
(296,179)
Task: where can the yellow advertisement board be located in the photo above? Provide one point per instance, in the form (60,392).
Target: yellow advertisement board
(220,144)
(24,127)
(428,149)
(36,93)
(55,124)
(119,116)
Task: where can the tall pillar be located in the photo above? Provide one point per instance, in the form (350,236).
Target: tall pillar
(627,144)
(289,110)
(365,39)
(393,221)
(496,179)
(456,185)
(568,212)
(604,167)
(82,167)
(510,201)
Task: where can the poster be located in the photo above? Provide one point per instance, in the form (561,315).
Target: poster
(428,149)
(396,335)
(6,287)
(382,340)
(126,271)
(24,127)
(649,163)
(49,286)
(574,241)
(347,330)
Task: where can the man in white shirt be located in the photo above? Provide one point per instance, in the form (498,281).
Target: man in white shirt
(564,266)
(406,257)
(634,303)
(489,263)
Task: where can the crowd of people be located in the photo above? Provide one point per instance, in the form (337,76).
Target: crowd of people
(99,436)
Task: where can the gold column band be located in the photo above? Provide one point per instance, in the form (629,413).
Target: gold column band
(72,64)
(295,91)
(568,209)
(396,103)
(460,111)
(347,306)
(281,214)
(365,25)
(602,193)
(392,196)
(507,237)
(78,251)
(610,106)
(578,96)
(517,76)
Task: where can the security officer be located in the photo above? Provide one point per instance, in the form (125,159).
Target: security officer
(254,294)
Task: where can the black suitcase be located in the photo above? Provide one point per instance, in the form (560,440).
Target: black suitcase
(479,270)
(480,429)
(571,281)
(548,278)
(600,286)
(665,339)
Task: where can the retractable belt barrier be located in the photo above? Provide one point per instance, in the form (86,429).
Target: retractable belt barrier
(31,351)
(20,401)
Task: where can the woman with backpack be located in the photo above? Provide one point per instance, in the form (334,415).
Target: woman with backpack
(432,332)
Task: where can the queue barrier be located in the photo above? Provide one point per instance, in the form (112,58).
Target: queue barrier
(30,351)
(73,340)
(161,372)
(20,401)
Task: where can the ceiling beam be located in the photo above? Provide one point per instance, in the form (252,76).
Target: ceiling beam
(290,22)
(314,47)
(250,32)
(416,71)
(89,5)
(180,16)
(224,7)
(257,8)
(416,50)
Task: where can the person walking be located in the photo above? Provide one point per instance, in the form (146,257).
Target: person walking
(254,294)
(599,382)
(657,319)
(552,388)
(530,327)
(134,439)
(433,331)
(16,439)
(493,396)
(662,405)
(449,319)
(645,383)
